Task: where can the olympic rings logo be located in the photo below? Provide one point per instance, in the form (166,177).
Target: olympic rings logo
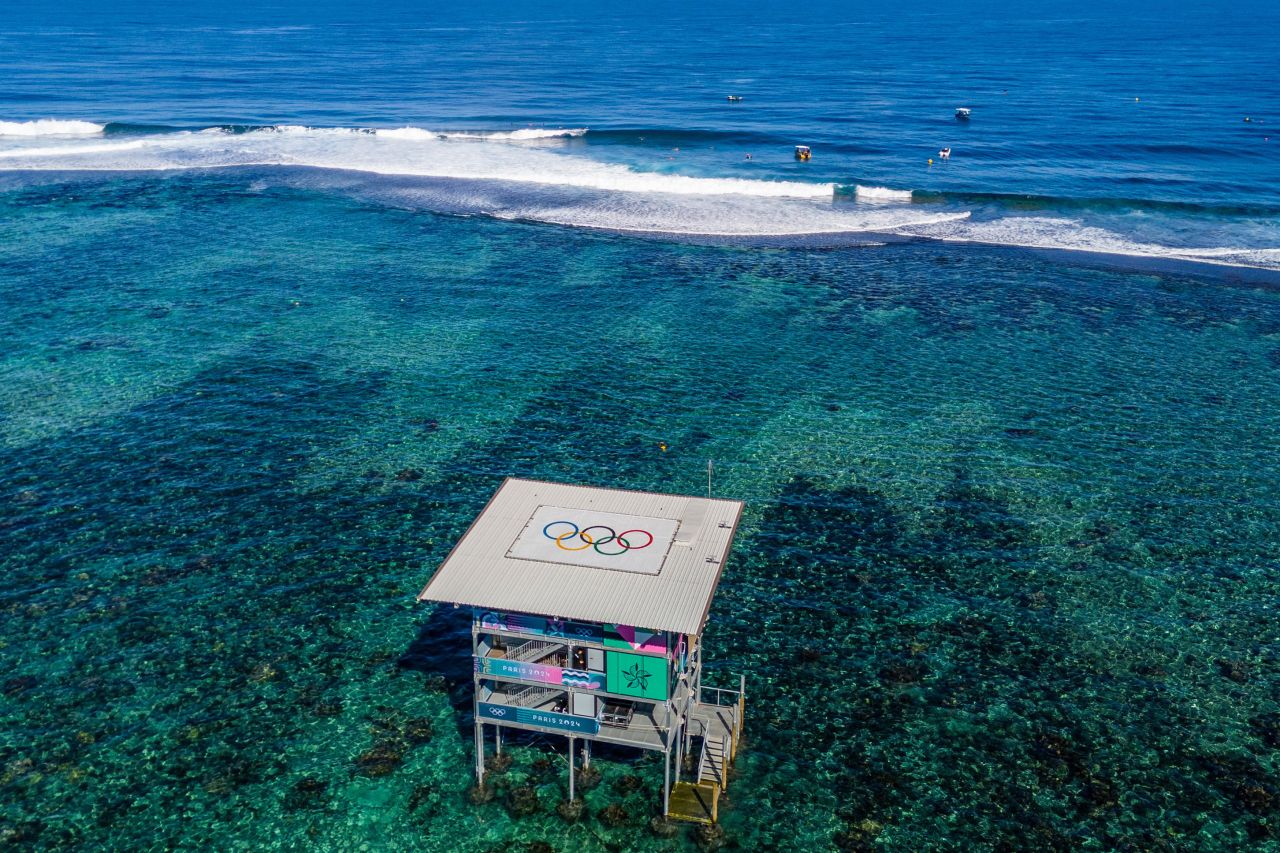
(607,537)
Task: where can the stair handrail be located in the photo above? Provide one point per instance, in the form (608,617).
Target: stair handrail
(702,758)
(518,653)
(531,691)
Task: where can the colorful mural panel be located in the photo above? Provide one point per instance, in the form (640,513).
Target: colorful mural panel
(635,639)
(643,676)
(560,628)
(542,719)
(579,679)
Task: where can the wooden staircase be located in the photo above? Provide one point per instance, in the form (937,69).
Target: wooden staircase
(712,768)
(694,802)
(720,727)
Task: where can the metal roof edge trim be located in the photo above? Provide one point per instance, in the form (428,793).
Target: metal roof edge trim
(422,596)
(669,627)
(724,558)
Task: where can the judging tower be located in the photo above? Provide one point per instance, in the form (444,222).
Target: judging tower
(588,607)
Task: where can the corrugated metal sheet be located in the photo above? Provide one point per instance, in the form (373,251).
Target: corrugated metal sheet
(478,572)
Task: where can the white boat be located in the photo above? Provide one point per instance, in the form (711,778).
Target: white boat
(962,112)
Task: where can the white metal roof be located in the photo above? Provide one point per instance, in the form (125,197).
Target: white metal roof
(556,550)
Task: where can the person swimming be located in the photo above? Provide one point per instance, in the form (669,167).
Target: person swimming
(945,153)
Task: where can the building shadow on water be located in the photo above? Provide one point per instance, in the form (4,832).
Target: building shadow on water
(441,652)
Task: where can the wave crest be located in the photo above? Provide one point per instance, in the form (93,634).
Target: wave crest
(881,194)
(521,135)
(50,127)
(444,171)
(408,151)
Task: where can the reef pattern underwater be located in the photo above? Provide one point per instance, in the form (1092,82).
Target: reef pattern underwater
(1006,578)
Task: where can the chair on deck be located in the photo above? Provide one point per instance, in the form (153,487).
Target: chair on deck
(617,713)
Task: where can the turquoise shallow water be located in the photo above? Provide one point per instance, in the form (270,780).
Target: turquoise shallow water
(1006,578)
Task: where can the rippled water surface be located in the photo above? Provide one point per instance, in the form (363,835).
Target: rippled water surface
(1006,576)
(286,291)
(1138,131)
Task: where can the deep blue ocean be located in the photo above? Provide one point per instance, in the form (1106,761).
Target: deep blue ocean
(286,289)
(1147,131)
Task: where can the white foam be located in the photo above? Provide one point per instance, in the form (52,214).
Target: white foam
(1044,232)
(550,183)
(726,217)
(882,194)
(50,127)
(73,150)
(522,135)
(407,133)
(410,151)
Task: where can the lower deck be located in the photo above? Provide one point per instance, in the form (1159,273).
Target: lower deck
(636,724)
(698,740)
(695,802)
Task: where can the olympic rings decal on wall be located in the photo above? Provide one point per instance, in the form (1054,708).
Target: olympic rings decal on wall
(593,540)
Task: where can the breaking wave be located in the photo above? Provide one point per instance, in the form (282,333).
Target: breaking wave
(881,194)
(403,151)
(50,127)
(498,173)
(518,135)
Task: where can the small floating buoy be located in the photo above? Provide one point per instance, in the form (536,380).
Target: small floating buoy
(930,161)
(1246,118)
(1135,100)
(662,445)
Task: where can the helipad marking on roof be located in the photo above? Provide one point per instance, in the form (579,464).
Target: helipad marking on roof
(597,540)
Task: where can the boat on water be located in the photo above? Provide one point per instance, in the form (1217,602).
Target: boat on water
(962,113)
(803,152)
(735,98)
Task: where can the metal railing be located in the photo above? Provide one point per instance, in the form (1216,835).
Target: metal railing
(532,650)
(531,696)
(702,757)
(735,696)
(714,768)
(727,697)
(720,693)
